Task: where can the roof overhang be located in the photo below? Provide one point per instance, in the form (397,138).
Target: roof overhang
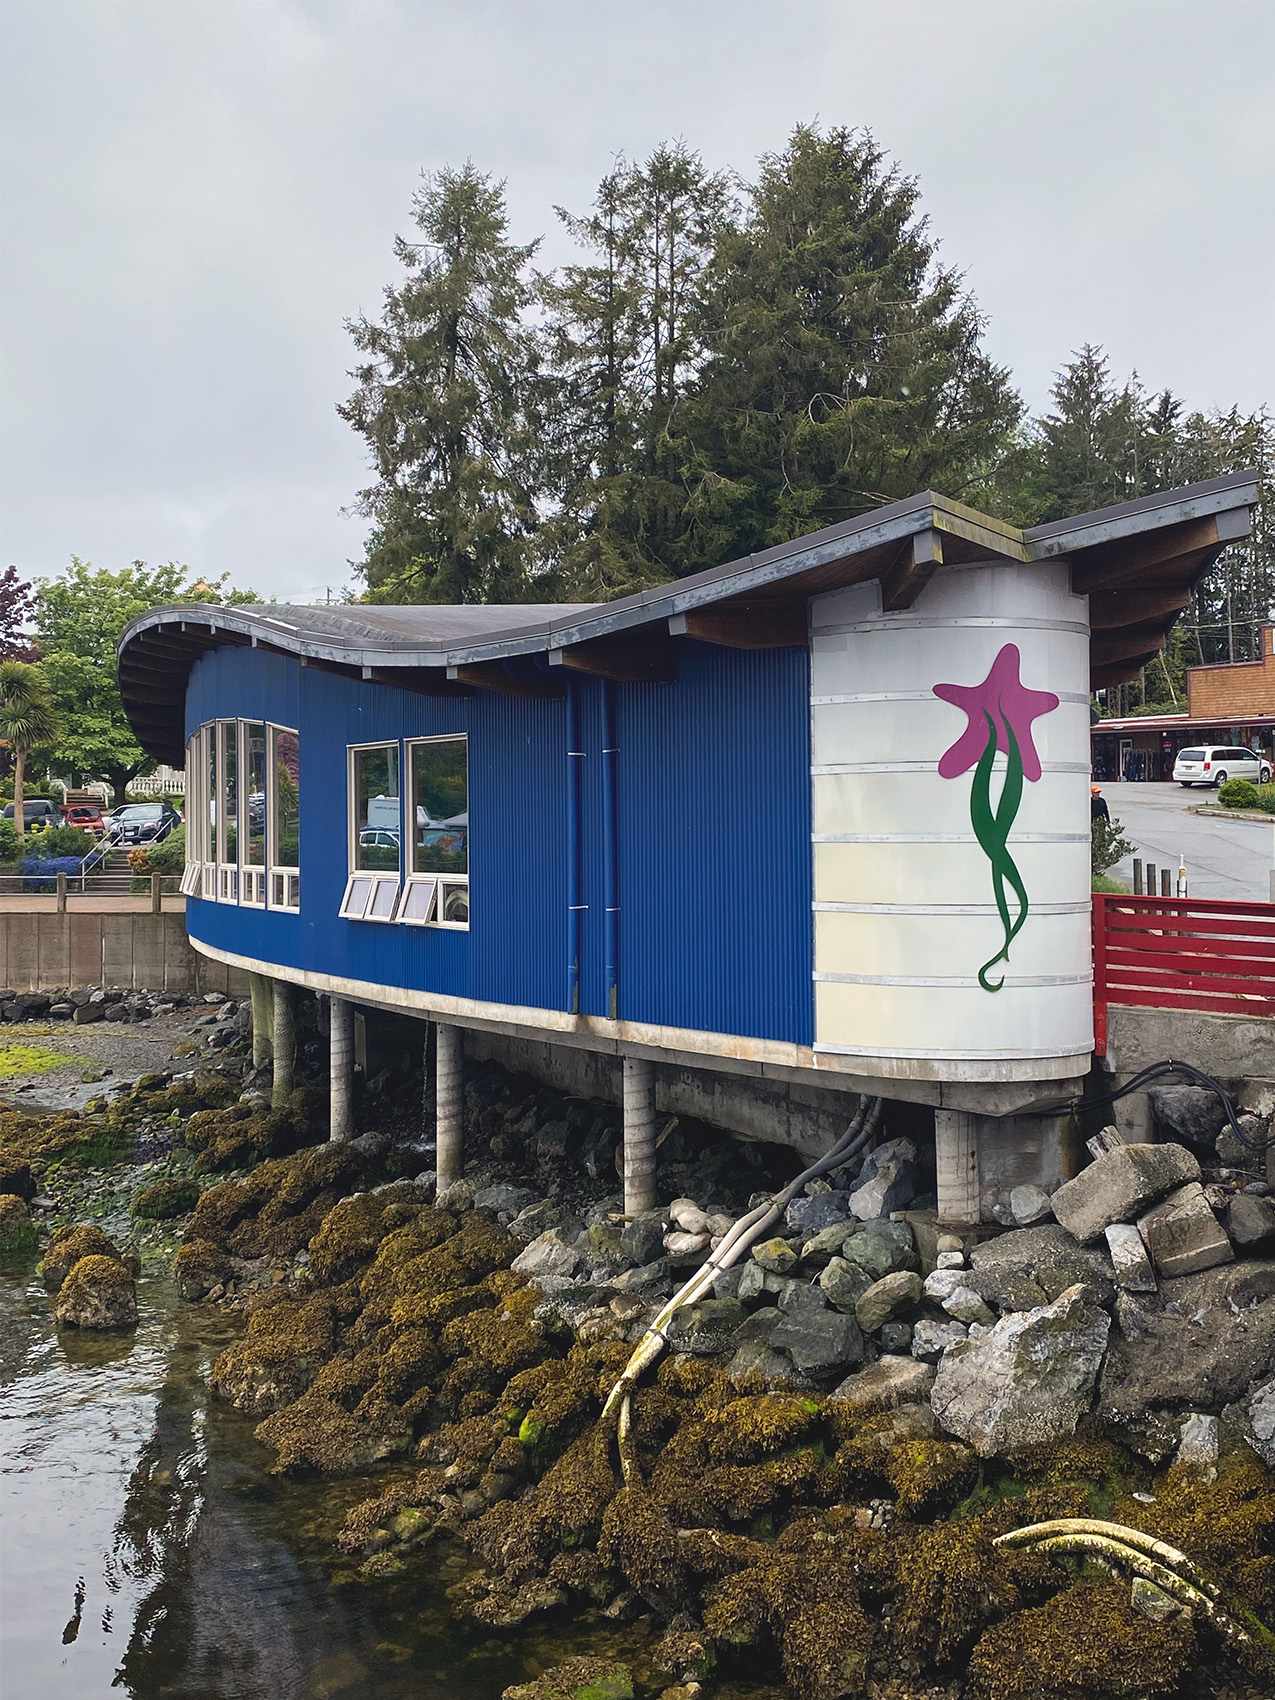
(1137,562)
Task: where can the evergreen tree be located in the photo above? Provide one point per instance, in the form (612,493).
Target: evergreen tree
(445,400)
(843,367)
(1106,442)
(625,344)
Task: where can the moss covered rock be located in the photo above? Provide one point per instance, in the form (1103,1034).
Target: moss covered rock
(15,1178)
(577,1679)
(165,1199)
(97,1293)
(17,1230)
(1086,1642)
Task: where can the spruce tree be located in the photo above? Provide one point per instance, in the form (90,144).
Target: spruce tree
(446,400)
(625,335)
(843,365)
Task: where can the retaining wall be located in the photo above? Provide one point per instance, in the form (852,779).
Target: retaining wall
(80,948)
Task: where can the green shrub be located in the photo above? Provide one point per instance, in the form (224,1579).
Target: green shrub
(1107,845)
(8,841)
(60,841)
(1238,794)
(166,857)
(165,1199)
(1266,799)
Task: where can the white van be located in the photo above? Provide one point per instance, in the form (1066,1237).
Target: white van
(1214,764)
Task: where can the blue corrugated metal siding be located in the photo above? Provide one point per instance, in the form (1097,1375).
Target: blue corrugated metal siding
(713,827)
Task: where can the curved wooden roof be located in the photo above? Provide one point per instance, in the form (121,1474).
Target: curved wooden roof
(1138,563)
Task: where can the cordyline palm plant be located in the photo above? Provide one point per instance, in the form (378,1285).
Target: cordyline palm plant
(27,718)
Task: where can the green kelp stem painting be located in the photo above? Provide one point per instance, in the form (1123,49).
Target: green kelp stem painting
(991,828)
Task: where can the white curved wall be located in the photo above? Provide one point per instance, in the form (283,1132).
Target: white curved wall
(904,908)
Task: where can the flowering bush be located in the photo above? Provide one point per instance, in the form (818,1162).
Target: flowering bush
(40,873)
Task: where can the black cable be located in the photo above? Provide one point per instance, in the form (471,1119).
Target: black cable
(1156,1071)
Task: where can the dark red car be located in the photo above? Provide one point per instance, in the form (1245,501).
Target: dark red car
(87,818)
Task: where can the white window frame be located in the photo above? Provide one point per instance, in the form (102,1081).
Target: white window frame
(283,884)
(227,871)
(253,879)
(375,877)
(407,857)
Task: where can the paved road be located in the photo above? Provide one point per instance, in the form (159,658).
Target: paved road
(1224,858)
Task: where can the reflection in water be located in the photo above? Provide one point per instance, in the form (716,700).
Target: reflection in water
(147,1510)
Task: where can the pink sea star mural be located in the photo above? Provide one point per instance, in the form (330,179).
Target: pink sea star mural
(1000,714)
(1004,698)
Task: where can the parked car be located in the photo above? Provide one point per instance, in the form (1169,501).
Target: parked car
(1214,764)
(138,823)
(87,817)
(36,811)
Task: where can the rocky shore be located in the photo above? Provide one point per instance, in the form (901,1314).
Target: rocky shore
(827,1475)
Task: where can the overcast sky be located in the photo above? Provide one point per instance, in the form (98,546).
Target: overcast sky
(197,194)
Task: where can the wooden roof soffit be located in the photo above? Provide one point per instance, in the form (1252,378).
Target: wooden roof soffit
(492,676)
(782,623)
(1120,608)
(1178,550)
(643,656)
(915,565)
(1108,647)
(1102,674)
(424,681)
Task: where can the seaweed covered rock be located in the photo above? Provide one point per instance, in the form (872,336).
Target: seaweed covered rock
(1086,1641)
(17,1230)
(200,1269)
(275,1211)
(77,1141)
(241,1134)
(163,1200)
(98,1292)
(68,1246)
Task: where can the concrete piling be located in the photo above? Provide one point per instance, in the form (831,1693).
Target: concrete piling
(639,1135)
(341,1068)
(285,1043)
(956,1150)
(449,1104)
(262,1020)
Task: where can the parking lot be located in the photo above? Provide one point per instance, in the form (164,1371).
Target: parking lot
(1224,858)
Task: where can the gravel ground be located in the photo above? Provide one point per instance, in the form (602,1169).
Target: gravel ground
(117,1051)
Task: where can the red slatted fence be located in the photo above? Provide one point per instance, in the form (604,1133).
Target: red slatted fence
(1182,953)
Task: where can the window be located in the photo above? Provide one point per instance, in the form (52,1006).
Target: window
(438,807)
(371,892)
(283,819)
(243,814)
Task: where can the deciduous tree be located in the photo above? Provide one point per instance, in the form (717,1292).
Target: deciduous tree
(80,619)
(28,719)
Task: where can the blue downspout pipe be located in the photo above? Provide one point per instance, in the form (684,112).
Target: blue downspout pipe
(575,855)
(610,849)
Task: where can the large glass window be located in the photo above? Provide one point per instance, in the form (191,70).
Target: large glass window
(254,754)
(437,891)
(243,794)
(377,823)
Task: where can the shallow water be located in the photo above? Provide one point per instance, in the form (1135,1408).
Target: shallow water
(147,1550)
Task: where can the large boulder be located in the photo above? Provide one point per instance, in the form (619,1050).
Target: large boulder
(1260,1412)
(1192,1113)
(819,1342)
(17,1230)
(97,1293)
(887,1181)
(1250,1221)
(887,1298)
(1119,1185)
(547,1259)
(887,1384)
(1028,1268)
(1028,1380)
(879,1247)
(1210,1340)
(1182,1234)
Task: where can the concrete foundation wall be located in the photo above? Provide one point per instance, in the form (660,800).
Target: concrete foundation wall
(809,1119)
(78,948)
(1231,1048)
